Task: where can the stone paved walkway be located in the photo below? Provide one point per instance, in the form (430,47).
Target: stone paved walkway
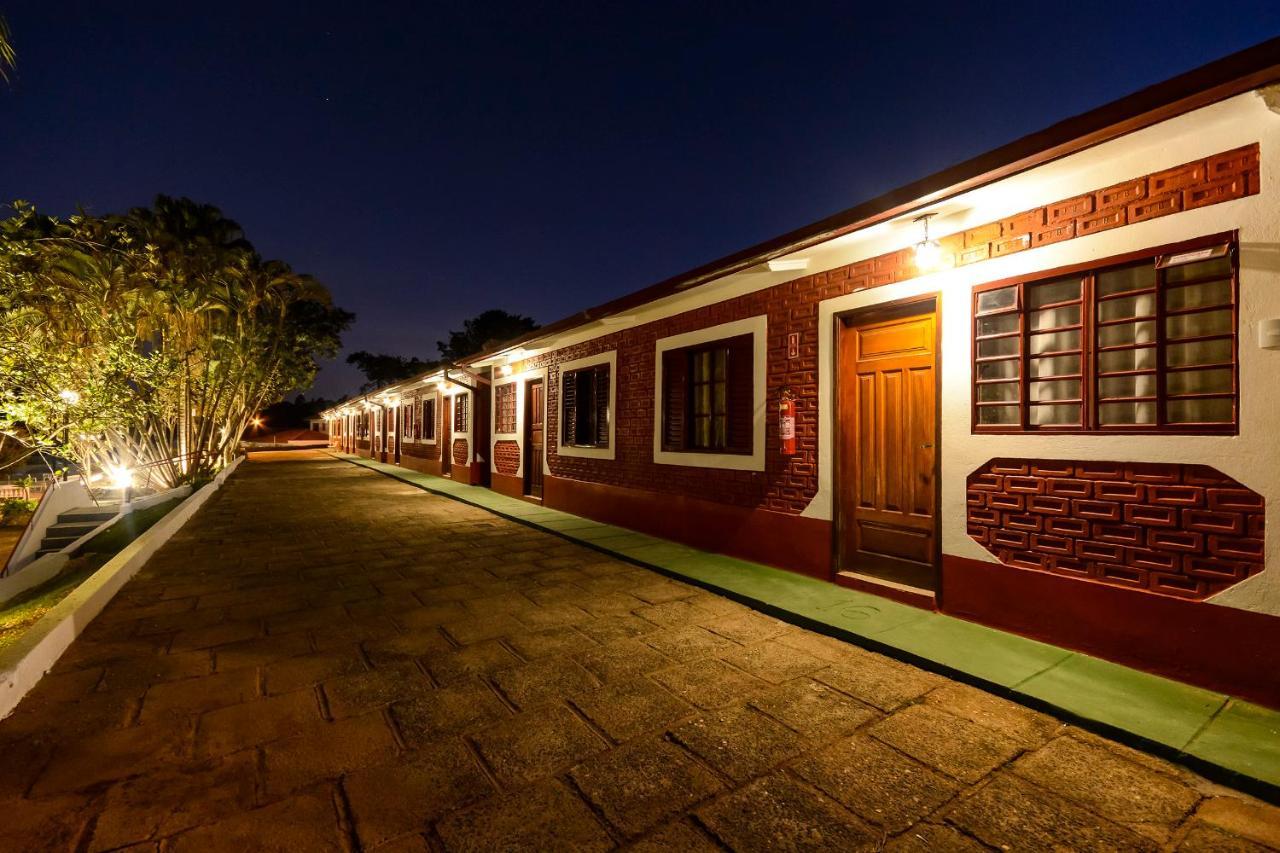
(325,658)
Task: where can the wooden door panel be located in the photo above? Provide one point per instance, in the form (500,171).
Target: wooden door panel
(887,402)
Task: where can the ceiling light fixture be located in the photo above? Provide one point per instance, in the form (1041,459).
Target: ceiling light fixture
(928,252)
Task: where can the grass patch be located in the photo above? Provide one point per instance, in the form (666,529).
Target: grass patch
(20,613)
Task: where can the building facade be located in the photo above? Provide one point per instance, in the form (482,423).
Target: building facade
(1037,391)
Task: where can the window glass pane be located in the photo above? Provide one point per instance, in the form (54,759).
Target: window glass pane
(1194,325)
(1055,415)
(1198,295)
(1127,359)
(1213,380)
(1215,410)
(1186,272)
(997,323)
(1199,352)
(1055,342)
(997,346)
(702,435)
(998,369)
(1143,385)
(719,397)
(1124,279)
(1055,318)
(1057,389)
(721,432)
(999,392)
(1055,365)
(1142,332)
(994,300)
(1127,413)
(1050,292)
(998,415)
(1143,305)
(721,356)
(702,403)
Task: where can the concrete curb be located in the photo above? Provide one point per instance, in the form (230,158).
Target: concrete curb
(24,663)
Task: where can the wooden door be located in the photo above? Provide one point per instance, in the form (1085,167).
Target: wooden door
(446,435)
(399,418)
(887,448)
(534,437)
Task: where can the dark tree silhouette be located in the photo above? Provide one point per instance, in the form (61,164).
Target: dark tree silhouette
(485,330)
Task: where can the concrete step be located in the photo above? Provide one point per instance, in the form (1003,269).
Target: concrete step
(71,528)
(85,514)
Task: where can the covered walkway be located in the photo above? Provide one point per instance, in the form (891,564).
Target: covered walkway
(326,658)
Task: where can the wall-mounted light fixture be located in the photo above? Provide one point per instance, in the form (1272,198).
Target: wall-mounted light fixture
(928,252)
(505,370)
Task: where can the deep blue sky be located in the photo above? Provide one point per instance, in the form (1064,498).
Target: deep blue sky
(428,162)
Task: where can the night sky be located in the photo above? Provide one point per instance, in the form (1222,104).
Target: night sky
(430,162)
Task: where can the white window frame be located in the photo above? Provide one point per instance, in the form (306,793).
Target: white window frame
(610,357)
(435,415)
(758,328)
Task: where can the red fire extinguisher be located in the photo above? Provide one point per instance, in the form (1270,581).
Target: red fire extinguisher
(787,423)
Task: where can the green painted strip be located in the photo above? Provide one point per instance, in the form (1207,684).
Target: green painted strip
(1226,739)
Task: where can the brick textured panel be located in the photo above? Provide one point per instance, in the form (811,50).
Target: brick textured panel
(459,451)
(788,484)
(1183,530)
(506,456)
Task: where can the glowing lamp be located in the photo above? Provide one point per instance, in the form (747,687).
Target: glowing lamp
(121,476)
(69,397)
(505,370)
(928,252)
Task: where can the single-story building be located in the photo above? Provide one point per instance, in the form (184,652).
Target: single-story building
(1036,390)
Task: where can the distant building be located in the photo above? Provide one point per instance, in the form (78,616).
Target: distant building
(1048,407)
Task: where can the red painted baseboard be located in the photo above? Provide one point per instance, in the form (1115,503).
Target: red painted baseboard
(417,463)
(777,539)
(1220,648)
(505,484)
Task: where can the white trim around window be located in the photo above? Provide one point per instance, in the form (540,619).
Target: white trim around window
(515,379)
(758,328)
(610,358)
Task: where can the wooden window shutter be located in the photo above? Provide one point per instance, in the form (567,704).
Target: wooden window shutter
(740,393)
(675,399)
(602,405)
(569,407)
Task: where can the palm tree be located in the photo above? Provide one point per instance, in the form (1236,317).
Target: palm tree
(7,56)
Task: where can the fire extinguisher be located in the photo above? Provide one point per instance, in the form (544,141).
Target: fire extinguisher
(787,423)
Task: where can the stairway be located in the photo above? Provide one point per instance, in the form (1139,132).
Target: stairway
(73,524)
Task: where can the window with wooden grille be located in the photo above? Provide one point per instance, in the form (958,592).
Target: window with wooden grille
(708,397)
(460,402)
(504,397)
(1134,344)
(584,407)
(427,422)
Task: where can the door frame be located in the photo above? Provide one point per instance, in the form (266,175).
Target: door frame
(906,307)
(529,460)
(445,440)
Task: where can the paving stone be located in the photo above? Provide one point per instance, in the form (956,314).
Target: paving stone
(624,709)
(297,673)
(393,799)
(251,723)
(350,695)
(446,710)
(432,616)
(1107,784)
(553,616)
(679,837)
(748,627)
(260,651)
(689,643)
(327,750)
(544,680)
(640,784)
(1202,838)
(308,822)
(406,647)
(475,629)
(197,695)
(546,816)
(877,680)
(622,659)
(740,742)
(38,826)
(813,709)
(608,604)
(221,634)
(1250,819)
(536,744)
(617,627)
(671,614)
(958,747)
(934,838)
(80,764)
(656,591)
(778,813)
(876,782)
(480,659)
(1012,814)
(708,683)
(137,674)
(165,803)
(772,661)
(1029,728)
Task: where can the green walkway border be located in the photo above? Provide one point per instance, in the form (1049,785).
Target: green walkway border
(1225,739)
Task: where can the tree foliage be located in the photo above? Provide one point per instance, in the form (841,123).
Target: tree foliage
(8,57)
(381,369)
(149,339)
(485,330)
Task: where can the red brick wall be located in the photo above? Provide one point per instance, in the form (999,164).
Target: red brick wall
(506,456)
(1184,530)
(788,484)
(460,451)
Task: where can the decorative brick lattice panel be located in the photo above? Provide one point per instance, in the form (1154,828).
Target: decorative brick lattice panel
(459,451)
(506,457)
(1184,530)
(788,484)
(504,401)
